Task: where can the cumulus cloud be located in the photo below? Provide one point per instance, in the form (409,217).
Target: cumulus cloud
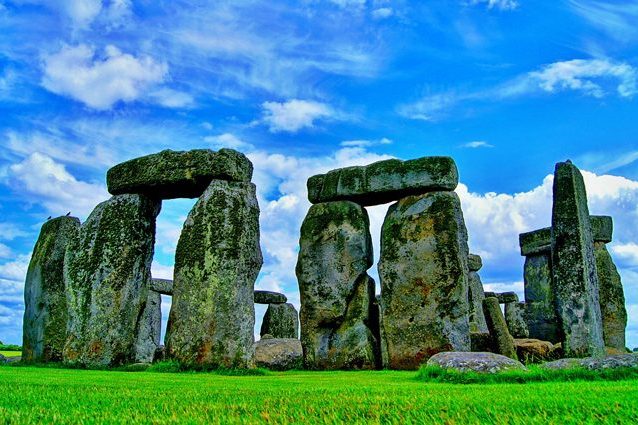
(100,81)
(228,140)
(590,77)
(293,115)
(42,181)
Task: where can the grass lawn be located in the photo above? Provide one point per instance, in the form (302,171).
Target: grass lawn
(46,395)
(11,353)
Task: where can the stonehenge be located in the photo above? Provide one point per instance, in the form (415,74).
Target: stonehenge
(90,299)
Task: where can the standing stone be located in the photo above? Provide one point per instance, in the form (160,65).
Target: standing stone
(149,329)
(107,272)
(575,280)
(424,283)
(476,295)
(280,321)
(612,297)
(540,314)
(502,341)
(45,314)
(514,311)
(336,291)
(217,262)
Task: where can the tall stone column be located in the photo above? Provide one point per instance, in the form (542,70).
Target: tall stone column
(575,279)
(540,313)
(612,297)
(107,272)
(149,328)
(514,315)
(336,291)
(217,262)
(45,307)
(424,279)
(476,295)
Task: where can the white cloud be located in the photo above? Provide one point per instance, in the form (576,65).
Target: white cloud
(618,19)
(382,13)
(590,77)
(40,180)
(496,4)
(15,270)
(101,81)
(356,4)
(293,115)
(170,98)
(5,251)
(10,231)
(366,143)
(627,252)
(477,144)
(228,140)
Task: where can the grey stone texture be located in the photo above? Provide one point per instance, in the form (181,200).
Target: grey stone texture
(336,291)
(502,341)
(279,354)
(629,360)
(149,329)
(474,262)
(540,314)
(514,317)
(475,362)
(602,228)
(476,297)
(163,286)
(217,261)
(281,321)
(424,279)
(107,273)
(575,280)
(611,298)
(178,174)
(533,350)
(536,241)
(45,315)
(269,297)
(384,181)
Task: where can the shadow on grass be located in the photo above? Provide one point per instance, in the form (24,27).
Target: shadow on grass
(534,374)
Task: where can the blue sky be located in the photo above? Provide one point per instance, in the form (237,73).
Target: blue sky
(507,88)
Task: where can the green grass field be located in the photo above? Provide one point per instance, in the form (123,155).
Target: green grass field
(45,395)
(11,353)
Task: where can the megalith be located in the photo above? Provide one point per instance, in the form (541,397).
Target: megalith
(540,313)
(476,295)
(45,306)
(269,297)
(514,315)
(502,341)
(149,328)
(280,321)
(335,289)
(611,294)
(107,273)
(575,279)
(217,262)
(424,279)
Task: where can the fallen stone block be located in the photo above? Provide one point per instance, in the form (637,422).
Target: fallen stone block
(475,362)
(279,354)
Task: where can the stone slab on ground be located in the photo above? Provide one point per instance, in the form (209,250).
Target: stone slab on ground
(279,353)
(475,362)
(178,174)
(384,181)
(595,363)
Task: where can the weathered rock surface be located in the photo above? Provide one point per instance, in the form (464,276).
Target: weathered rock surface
(475,362)
(612,298)
(535,242)
(540,315)
(45,315)
(163,286)
(269,297)
(474,262)
(481,342)
(531,350)
(575,280)
(596,363)
(424,284)
(171,174)
(502,341)
(476,296)
(279,354)
(507,297)
(107,273)
(149,329)
(3,359)
(217,262)
(602,228)
(281,321)
(514,312)
(336,291)
(384,181)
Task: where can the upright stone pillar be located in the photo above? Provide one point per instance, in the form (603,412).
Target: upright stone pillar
(45,307)
(424,279)
(514,315)
(336,291)
(280,321)
(540,313)
(217,262)
(476,295)
(612,297)
(149,328)
(575,279)
(107,272)
(500,336)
